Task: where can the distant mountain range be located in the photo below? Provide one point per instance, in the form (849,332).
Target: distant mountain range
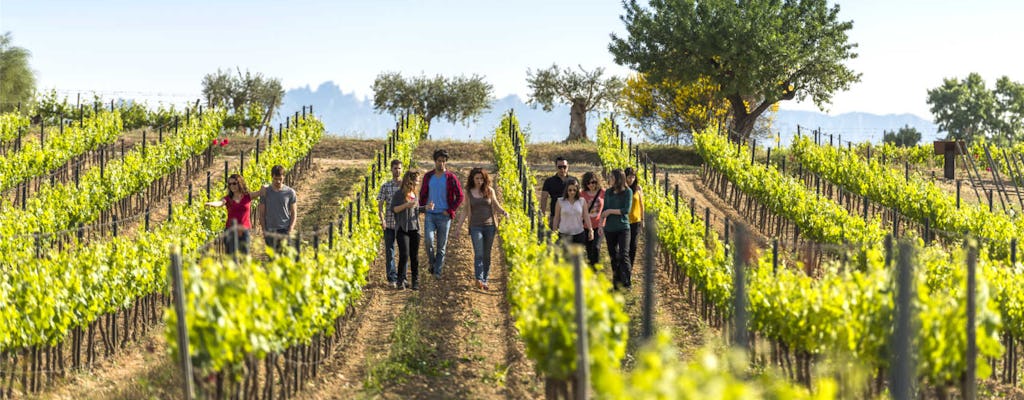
(344,114)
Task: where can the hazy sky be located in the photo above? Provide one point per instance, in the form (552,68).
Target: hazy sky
(161,50)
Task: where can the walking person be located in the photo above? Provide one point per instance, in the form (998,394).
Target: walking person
(593,194)
(636,213)
(387,218)
(280,216)
(483,211)
(407,229)
(571,219)
(442,191)
(238,203)
(554,187)
(618,201)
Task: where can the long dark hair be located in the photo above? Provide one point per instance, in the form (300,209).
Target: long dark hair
(485,189)
(590,176)
(618,181)
(635,187)
(242,189)
(409,181)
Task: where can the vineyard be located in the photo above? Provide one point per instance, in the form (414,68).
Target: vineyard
(819,271)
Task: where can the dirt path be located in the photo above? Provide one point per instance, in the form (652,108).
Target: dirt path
(145,370)
(447,340)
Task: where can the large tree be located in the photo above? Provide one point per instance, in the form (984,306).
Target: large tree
(669,111)
(582,90)
(252,97)
(907,136)
(17,82)
(758,52)
(457,99)
(964,108)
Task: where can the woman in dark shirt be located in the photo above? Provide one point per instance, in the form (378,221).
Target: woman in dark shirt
(618,200)
(483,214)
(407,228)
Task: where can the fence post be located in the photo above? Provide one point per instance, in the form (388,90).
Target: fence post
(903,362)
(582,348)
(179,311)
(739,281)
(970,382)
(650,242)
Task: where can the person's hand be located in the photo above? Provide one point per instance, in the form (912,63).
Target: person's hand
(430,206)
(590,234)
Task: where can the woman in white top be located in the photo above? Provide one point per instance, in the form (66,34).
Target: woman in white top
(570,219)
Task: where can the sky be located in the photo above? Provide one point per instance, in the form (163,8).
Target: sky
(160,50)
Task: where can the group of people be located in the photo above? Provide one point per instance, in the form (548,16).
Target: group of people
(438,197)
(582,213)
(276,211)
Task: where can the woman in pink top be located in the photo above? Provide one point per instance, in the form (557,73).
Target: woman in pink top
(593,196)
(238,204)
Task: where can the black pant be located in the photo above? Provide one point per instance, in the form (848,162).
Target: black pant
(276,242)
(618,252)
(634,231)
(243,242)
(594,248)
(408,254)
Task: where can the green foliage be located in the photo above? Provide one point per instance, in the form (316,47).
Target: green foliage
(907,136)
(250,309)
(541,290)
(919,198)
(17,81)
(251,97)
(12,125)
(54,208)
(757,52)
(35,159)
(455,99)
(964,109)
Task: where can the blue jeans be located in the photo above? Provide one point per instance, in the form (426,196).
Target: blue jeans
(436,240)
(483,241)
(389,255)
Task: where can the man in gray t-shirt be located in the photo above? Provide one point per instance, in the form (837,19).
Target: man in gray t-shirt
(279,218)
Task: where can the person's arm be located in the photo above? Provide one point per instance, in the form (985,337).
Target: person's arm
(259,193)
(640,197)
(424,189)
(558,215)
(218,203)
(381,204)
(496,204)
(292,211)
(466,215)
(587,224)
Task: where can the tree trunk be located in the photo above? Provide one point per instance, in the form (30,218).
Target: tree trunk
(742,120)
(577,122)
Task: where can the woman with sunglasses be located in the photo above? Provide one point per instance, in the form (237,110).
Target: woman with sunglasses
(237,202)
(407,227)
(593,196)
(571,220)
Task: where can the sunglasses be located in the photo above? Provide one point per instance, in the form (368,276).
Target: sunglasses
(563,166)
(592,183)
(232,183)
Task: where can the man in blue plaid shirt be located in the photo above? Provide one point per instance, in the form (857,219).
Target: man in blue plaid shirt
(387,216)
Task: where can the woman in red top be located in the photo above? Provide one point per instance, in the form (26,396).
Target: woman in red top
(237,202)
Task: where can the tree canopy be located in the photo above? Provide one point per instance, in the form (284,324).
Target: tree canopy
(669,111)
(455,99)
(582,90)
(17,81)
(251,97)
(756,52)
(907,136)
(967,109)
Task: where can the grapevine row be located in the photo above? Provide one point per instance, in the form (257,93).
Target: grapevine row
(241,314)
